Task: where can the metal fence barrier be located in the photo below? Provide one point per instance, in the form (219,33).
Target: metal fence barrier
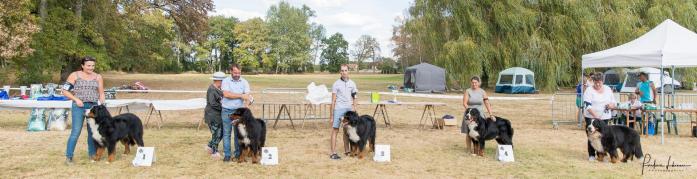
(296,112)
(565,112)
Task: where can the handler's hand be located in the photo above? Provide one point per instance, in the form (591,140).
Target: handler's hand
(79,103)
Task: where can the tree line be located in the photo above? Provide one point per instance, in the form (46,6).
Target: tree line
(43,40)
(549,37)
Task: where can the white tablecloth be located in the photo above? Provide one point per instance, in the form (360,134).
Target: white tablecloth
(196,103)
(133,104)
(29,104)
(168,105)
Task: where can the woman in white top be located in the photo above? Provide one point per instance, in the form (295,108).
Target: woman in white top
(598,101)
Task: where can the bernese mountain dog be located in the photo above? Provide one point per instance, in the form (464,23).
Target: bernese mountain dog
(607,138)
(481,130)
(251,133)
(107,131)
(361,131)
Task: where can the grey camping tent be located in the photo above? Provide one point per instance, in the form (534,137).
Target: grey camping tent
(425,78)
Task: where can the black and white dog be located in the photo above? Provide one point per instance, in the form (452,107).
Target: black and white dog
(361,131)
(251,133)
(107,131)
(481,130)
(607,138)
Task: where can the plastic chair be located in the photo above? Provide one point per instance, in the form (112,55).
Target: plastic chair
(672,121)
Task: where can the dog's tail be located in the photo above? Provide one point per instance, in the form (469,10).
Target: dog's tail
(373,130)
(638,153)
(510,128)
(263,133)
(372,137)
(507,130)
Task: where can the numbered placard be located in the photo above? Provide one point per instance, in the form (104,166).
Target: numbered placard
(269,156)
(504,153)
(144,157)
(382,153)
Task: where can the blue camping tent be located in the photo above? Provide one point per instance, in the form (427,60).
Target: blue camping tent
(516,80)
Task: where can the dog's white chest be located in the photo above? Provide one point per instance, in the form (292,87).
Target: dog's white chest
(595,140)
(353,135)
(94,128)
(243,133)
(473,131)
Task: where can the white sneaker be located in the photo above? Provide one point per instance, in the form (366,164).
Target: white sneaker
(209,150)
(215,156)
(591,158)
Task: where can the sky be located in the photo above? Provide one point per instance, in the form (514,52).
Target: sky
(352,18)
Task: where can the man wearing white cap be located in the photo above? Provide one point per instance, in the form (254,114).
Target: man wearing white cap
(212,114)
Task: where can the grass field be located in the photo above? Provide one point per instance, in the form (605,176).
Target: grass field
(540,150)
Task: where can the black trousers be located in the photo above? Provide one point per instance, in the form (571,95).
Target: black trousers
(591,150)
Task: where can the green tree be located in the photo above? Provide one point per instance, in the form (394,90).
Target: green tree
(366,48)
(317,33)
(17,27)
(221,41)
(335,53)
(406,49)
(55,45)
(202,55)
(132,36)
(190,16)
(388,66)
(253,38)
(289,35)
(546,36)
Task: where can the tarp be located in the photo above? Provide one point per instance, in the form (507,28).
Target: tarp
(318,94)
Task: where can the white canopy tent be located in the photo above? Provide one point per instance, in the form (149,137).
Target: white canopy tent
(666,45)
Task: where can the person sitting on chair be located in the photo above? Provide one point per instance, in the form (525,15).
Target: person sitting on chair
(635,106)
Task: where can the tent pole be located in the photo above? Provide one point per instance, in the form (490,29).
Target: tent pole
(672,77)
(580,114)
(662,105)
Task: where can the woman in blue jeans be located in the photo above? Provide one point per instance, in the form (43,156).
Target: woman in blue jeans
(85,88)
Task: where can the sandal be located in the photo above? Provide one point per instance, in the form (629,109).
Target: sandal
(335,157)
